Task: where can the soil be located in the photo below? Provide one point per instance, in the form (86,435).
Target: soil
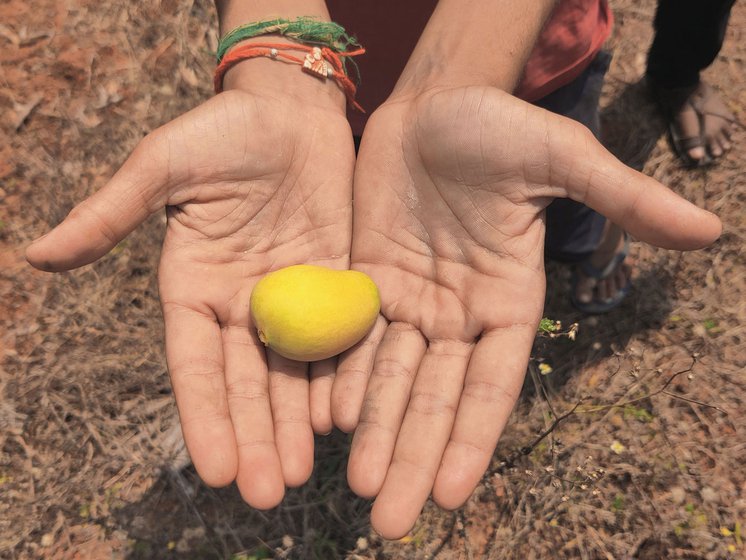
(643,447)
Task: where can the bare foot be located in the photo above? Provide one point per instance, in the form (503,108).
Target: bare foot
(700,123)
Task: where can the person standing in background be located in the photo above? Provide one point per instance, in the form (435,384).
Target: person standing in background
(688,37)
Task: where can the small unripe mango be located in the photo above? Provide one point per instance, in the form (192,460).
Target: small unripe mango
(308,313)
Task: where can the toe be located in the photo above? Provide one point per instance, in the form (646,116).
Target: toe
(584,289)
(727,131)
(724,141)
(602,290)
(697,153)
(621,278)
(714,146)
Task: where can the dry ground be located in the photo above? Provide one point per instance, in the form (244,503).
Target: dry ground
(91,464)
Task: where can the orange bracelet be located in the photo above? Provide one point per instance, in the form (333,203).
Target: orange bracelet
(321,62)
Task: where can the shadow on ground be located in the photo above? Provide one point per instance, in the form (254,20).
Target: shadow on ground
(180,517)
(631,125)
(647,306)
(631,128)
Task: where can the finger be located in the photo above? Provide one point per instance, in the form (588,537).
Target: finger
(322,378)
(101,221)
(385,402)
(491,388)
(637,203)
(353,370)
(195,360)
(288,390)
(422,439)
(259,478)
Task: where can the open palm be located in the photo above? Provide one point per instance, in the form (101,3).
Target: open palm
(450,190)
(248,188)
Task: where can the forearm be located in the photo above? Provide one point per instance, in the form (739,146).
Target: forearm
(272,77)
(232,13)
(474,42)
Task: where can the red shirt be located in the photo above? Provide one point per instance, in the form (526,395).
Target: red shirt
(389,30)
(567,44)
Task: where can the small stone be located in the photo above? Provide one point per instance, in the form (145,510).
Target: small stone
(678,495)
(710,494)
(47,540)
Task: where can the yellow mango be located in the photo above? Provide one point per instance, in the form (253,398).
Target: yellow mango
(308,313)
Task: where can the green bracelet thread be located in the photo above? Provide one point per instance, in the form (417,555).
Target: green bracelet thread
(303,29)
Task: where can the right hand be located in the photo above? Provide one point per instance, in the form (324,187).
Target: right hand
(253,180)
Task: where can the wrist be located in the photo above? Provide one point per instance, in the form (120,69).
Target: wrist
(276,78)
(473,43)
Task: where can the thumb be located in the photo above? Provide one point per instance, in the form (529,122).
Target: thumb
(101,221)
(637,203)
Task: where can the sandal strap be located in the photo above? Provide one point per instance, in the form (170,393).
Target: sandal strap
(700,99)
(727,118)
(672,100)
(690,143)
(602,273)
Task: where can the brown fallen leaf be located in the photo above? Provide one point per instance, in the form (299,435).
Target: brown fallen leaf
(21,111)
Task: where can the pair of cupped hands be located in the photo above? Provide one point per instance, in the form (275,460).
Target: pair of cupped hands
(443,207)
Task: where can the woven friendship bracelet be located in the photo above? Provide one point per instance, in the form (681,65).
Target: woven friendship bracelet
(303,29)
(320,62)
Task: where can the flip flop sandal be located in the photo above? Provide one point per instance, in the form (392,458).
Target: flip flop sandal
(672,101)
(595,307)
(681,145)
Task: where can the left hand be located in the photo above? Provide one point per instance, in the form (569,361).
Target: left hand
(449,198)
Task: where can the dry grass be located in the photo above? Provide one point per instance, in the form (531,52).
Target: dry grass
(91,460)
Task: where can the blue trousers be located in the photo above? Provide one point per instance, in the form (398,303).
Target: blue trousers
(574,230)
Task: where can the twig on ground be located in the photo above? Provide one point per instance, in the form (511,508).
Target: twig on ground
(655,393)
(463,534)
(694,401)
(446,539)
(526,450)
